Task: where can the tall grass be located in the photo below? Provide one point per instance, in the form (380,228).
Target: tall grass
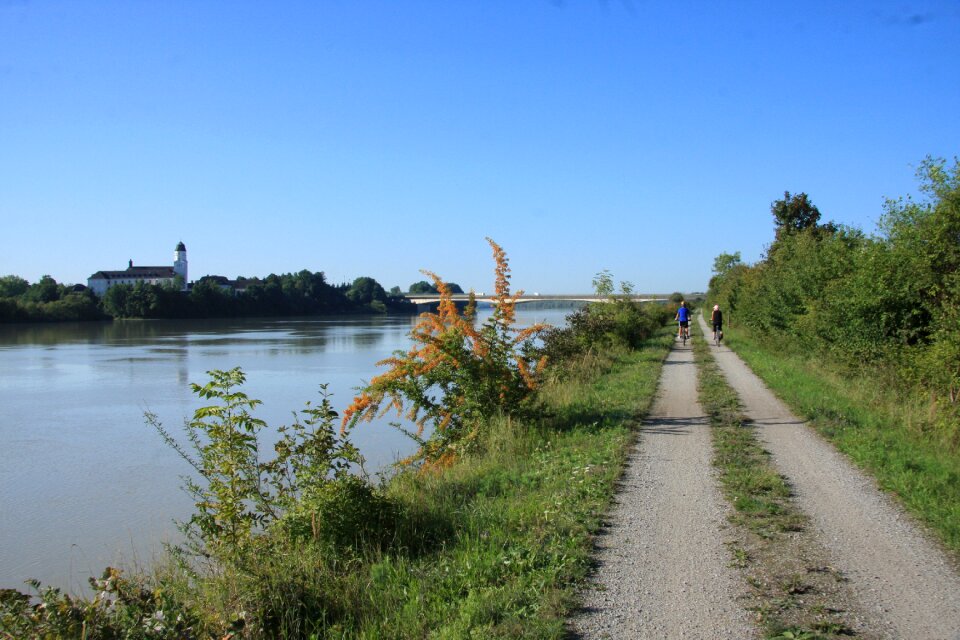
(517,520)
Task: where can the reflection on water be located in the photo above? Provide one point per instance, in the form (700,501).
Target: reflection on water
(172,334)
(87,484)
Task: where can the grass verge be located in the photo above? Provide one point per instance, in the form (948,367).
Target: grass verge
(795,593)
(520,518)
(882,429)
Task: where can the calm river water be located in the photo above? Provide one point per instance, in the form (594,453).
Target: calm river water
(85,483)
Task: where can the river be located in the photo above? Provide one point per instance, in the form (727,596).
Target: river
(86,483)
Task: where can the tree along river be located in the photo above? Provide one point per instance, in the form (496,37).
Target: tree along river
(85,483)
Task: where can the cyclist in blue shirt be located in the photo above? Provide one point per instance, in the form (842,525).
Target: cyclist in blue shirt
(683,317)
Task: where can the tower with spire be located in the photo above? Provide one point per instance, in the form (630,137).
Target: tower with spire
(180,262)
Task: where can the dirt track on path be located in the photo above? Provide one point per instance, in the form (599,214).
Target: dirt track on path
(902,579)
(663,571)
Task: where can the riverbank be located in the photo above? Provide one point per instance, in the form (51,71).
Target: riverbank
(80,463)
(493,546)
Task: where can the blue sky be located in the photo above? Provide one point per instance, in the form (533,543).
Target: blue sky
(377,138)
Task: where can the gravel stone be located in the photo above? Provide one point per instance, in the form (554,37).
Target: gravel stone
(662,568)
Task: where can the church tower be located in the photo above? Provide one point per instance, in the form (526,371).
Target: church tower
(180,262)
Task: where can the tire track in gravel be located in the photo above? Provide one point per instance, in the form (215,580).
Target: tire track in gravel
(900,576)
(662,569)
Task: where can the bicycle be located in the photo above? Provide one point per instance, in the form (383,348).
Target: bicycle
(683,318)
(717,336)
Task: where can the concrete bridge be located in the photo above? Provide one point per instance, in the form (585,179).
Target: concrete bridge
(433,298)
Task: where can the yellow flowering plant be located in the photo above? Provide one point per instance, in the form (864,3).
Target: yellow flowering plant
(455,376)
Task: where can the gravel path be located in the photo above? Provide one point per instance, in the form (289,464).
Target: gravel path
(663,571)
(901,578)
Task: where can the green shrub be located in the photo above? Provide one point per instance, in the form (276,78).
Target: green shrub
(618,324)
(343,513)
(122,608)
(240,494)
(890,301)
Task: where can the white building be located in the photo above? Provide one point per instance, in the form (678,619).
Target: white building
(103,280)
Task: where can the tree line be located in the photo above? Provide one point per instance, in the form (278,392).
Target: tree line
(891,299)
(289,294)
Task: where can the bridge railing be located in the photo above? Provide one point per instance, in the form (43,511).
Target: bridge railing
(428,298)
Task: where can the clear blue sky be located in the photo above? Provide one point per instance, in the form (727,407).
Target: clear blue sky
(377,138)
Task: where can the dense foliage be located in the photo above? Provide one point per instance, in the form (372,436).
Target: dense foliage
(289,294)
(890,301)
(423,286)
(618,323)
(45,300)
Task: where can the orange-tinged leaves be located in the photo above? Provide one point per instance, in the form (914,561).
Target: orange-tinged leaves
(360,404)
(448,310)
(530,332)
(526,374)
(475,372)
(542,364)
(447,416)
